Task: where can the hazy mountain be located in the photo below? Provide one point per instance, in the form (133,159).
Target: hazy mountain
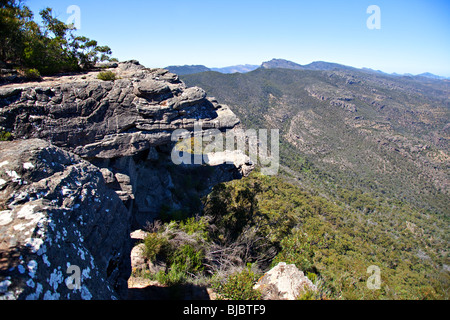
(191,69)
(242,68)
(322,65)
(316,65)
(286,64)
(430,75)
(282,64)
(182,70)
(328,66)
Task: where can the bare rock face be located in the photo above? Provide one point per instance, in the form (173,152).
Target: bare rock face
(283,282)
(57,220)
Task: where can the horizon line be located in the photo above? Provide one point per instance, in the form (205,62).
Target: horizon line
(444,77)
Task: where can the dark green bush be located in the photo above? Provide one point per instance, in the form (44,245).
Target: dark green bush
(239,286)
(107,76)
(173,277)
(187,259)
(296,249)
(154,245)
(5,136)
(32,74)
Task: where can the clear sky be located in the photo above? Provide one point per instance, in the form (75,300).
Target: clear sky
(414,36)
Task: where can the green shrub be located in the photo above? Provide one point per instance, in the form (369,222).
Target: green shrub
(5,136)
(173,277)
(32,74)
(154,244)
(187,259)
(311,276)
(196,226)
(297,249)
(308,294)
(239,286)
(107,76)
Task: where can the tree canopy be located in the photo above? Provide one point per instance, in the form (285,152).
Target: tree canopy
(49,48)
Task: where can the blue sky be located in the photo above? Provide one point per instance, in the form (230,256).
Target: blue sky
(414,35)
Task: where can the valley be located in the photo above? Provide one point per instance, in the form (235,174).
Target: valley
(375,132)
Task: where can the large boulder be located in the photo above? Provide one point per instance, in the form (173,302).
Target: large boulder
(284,282)
(63,233)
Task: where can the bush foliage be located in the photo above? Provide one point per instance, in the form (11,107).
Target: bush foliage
(5,136)
(50,48)
(239,286)
(107,76)
(262,220)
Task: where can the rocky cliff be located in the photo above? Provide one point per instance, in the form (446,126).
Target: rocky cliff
(57,212)
(90,162)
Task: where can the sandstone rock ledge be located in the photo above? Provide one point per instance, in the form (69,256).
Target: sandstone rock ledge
(107,119)
(90,163)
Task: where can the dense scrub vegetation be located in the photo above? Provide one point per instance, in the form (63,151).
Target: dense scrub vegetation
(45,49)
(349,128)
(251,224)
(371,156)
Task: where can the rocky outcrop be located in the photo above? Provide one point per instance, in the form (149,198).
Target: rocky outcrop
(107,119)
(284,282)
(91,162)
(58,219)
(123,126)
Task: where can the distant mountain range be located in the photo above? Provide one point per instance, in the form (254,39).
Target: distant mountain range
(285,64)
(376,143)
(191,69)
(350,122)
(317,65)
(183,70)
(242,68)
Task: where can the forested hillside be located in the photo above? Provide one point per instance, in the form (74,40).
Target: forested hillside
(372,149)
(382,134)
(260,220)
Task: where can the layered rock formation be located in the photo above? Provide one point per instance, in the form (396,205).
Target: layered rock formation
(91,161)
(106,119)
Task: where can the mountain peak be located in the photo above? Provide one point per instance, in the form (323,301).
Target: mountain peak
(187,69)
(316,65)
(282,64)
(431,76)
